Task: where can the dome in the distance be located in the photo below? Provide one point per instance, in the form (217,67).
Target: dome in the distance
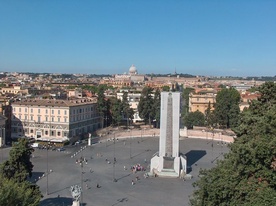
(132,70)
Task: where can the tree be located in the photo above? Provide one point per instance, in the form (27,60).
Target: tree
(156,107)
(166,88)
(185,105)
(145,106)
(227,107)
(127,111)
(19,166)
(18,193)
(247,174)
(102,104)
(194,119)
(209,116)
(116,111)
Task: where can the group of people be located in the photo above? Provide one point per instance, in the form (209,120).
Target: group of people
(137,167)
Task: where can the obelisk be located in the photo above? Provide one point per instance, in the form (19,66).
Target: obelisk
(168,162)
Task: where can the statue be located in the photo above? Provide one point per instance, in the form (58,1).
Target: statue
(76,191)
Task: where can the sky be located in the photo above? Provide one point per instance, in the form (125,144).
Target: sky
(213,38)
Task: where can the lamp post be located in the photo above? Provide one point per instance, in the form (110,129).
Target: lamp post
(47,172)
(81,164)
(114,159)
(81,161)
(130,141)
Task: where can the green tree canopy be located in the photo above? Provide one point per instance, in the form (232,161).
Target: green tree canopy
(102,103)
(247,174)
(156,107)
(227,107)
(127,111)
(19,165)
(145,106)
(18,193)
(116,111)
(194,119)
(185,95)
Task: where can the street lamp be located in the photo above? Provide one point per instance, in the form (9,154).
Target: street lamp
(47,173)
(81,161)
(130,140)
(114,159)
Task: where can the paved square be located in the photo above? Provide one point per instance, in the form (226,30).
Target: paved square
(146,191)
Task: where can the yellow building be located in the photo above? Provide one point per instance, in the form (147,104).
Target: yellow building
(200,101)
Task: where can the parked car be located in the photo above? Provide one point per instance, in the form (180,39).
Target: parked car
(60,149)
(78,142)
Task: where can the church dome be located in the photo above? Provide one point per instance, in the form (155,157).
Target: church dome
(132,69)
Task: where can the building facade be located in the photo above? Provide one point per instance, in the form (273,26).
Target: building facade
(54,120)
(200,102)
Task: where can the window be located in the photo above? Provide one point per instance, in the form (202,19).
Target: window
(38,111)
(58,111)
(14,109)
(53,119)
(52,133)
(65,119)
(46,132)
(46,111)
(32,118)
(53,111)
(46,118)
(26,109)
(25,117)
(32,131)
(58,133)
(31,110)
(58,119)
(19,109)
(19,130)
(38,118)
(65,112)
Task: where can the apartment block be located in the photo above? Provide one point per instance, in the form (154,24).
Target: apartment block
(54,120)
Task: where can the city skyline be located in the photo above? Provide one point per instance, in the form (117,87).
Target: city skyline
(214,38)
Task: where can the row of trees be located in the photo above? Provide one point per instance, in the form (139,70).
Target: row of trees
(225,114)
(113,110)
(14,187)
(247,174)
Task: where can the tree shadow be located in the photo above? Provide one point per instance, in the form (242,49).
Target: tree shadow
(58,201)
(193,156)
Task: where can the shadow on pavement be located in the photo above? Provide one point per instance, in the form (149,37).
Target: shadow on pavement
(120,201)
(35,176)
(193,156)
(123,176)
(59,201)
(66,188)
